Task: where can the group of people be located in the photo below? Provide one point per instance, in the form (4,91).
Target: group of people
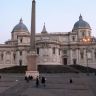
(28,78)
(41,80)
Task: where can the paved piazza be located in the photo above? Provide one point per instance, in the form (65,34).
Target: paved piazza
(56,85)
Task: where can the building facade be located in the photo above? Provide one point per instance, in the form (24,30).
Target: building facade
(58,48)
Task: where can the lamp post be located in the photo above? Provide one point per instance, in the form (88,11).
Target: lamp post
(87,40)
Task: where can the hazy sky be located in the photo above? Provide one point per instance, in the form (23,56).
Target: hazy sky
(58,15)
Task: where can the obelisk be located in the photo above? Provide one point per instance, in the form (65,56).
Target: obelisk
(32,56)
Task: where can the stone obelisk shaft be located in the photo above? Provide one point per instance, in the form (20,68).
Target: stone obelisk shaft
(32,56)
(32,42)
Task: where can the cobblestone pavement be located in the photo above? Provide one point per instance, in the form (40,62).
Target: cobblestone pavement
(56,85)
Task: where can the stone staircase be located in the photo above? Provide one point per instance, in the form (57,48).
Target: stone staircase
(56,69)
(50,69)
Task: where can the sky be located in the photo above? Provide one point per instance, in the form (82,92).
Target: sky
(58,15)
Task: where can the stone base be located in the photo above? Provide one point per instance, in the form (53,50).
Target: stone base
(34,74)
(32,62)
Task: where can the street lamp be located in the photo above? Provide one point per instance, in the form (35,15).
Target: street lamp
(87,40)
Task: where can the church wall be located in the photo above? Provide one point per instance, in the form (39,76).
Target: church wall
(47,58)
(18,57)
(75,55)
(83,32)
(54,38)
(71,56)
(38,38)
(17,33)
(61,38)
(93,55)
(24,57)
(46,43)
(91,62)
(21,58)
(23,40)
(73,38)
(6,57)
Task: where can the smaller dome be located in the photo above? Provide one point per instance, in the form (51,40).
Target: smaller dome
(81,24)
(20,27)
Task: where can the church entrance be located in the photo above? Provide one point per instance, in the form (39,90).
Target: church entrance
(65,61)
(74,61)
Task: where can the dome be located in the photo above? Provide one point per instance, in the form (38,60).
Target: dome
(20,27)
(81,24)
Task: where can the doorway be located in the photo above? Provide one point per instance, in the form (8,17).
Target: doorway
(65,61)
(20,62)
(74,62)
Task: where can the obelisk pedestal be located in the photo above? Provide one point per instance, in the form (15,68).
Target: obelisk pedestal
(32,65)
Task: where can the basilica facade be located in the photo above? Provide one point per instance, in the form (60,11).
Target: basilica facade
(58,48)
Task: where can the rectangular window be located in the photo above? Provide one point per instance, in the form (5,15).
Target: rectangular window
(14,56)
(83,34)
(82,55)
(37,50)
(59,51)
(20,40)
(95,54)
(20,53)
(54,50)
(2,56)
(73,38)
(17,36)
(64,51)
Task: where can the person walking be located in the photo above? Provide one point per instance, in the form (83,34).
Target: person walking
(43,81)
(27,79)
(71,81)
(37,82)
